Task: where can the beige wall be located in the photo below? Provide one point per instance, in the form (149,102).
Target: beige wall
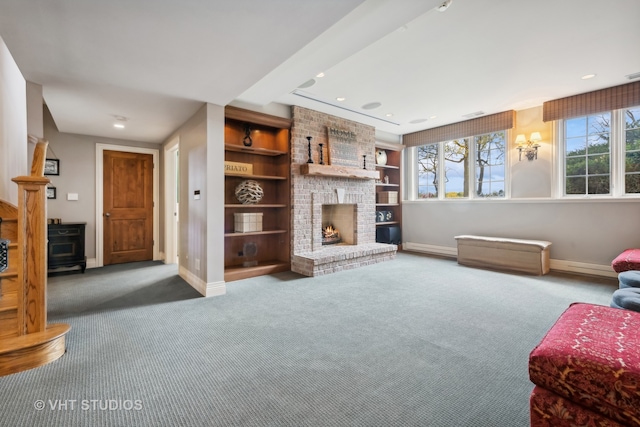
(13,126)
(586,234)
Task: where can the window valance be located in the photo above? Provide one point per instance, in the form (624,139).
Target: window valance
(478,126)
(613,98)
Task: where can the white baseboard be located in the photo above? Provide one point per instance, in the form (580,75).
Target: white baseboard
(555,264)
(91,263)
(582,268)
(430,249)
(212,289)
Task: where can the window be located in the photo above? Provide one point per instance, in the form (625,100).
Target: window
(428,171)
(449,162)
(490,166)
(632,151)
(588,155)
(602,153)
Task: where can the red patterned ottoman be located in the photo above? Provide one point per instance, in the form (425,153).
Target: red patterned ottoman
(629,259)
(586,369)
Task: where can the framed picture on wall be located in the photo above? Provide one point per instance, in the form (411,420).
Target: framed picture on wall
(52,167)
(51,192)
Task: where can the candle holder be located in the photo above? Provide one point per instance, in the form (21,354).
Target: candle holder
(321,155)
(364,161)
(309,148)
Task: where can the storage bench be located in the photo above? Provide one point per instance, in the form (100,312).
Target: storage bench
(526,256)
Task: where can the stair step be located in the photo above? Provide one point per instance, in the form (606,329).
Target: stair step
(32,350)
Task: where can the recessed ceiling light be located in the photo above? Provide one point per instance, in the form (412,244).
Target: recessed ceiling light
(118,125)
(433,117)
(389,115)
(416,121)
(340,98)
(372,105)
(308,83)
(320,75)
(588,76)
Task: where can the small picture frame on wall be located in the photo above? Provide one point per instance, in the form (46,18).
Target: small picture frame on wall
(51,192)
(52,167)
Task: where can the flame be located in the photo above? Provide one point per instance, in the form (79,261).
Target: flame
(329,231)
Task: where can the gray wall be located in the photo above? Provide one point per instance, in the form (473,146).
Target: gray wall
(201,230)
(77,155)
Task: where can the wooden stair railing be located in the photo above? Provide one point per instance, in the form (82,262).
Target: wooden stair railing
(26,340)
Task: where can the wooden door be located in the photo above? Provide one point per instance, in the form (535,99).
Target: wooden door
(127,207)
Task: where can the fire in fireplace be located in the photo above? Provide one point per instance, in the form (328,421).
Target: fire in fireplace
(330,235)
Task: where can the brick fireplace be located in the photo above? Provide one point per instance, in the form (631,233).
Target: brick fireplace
(311,192)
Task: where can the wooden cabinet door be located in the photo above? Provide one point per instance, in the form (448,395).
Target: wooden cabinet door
(128,207)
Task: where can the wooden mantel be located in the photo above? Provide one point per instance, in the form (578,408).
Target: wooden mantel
(338,171)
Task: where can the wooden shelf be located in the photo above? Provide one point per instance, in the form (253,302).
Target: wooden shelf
(253,150)
(256,206)
(382,184)
(387,204)
(387,167)
(338,171)
(256,176)
(255,233)
(387,222)
(266,267)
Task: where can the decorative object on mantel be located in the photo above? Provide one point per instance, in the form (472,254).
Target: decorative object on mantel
(529,146)
(364,161)
(309,147)
(381,157)
(249,192)
(340,193)
(247,141)
(321,159)
(4,251)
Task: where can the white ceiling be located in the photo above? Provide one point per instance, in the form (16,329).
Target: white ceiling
(156,61)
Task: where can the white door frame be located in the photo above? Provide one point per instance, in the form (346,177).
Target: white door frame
(100,149)
(170,226)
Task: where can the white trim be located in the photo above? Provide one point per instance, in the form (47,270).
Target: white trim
(212,289)
(430,249)
(582,268)
(169,200)
(100,148)
(555,264)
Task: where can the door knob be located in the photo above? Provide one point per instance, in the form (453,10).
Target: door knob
(107,214)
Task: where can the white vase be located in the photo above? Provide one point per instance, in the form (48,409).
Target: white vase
(381,157)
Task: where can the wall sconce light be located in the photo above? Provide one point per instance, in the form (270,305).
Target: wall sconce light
(530,146)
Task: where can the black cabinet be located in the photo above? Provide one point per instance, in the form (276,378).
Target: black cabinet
(66,246)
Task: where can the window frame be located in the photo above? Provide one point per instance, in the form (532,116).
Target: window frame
(617,155)
(412,172)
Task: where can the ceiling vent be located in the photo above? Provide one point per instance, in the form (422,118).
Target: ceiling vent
(633,76)
(472,115)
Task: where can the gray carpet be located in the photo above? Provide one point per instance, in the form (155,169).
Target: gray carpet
(418,341)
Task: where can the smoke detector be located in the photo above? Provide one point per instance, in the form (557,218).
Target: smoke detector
(444,5)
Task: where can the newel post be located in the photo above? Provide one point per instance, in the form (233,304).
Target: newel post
(32,242)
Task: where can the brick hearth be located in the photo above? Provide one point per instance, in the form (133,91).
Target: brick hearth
(310,192)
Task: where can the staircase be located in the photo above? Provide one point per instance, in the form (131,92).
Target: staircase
(26,341)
